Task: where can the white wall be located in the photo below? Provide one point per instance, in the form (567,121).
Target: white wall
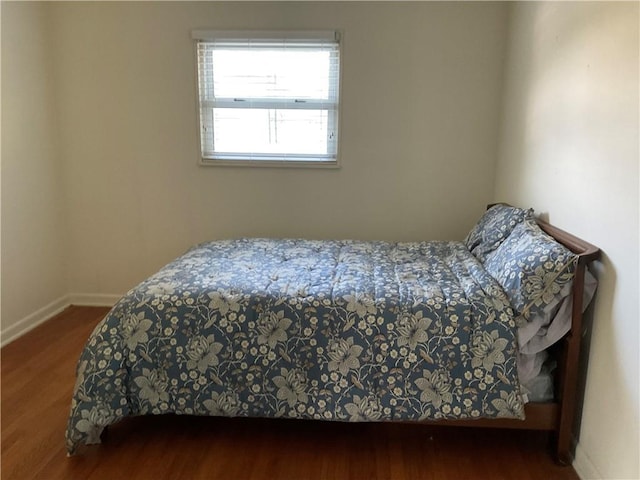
(569,147)
(420,93)
(33,267)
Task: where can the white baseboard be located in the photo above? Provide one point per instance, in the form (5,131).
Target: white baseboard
(583,465)
(31,321)
(43,314)
(93,299)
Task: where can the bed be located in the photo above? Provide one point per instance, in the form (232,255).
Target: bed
(350,331)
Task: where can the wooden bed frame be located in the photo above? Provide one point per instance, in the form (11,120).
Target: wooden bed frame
(558,416)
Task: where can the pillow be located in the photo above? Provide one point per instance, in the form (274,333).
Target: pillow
(535,271)
(495,225)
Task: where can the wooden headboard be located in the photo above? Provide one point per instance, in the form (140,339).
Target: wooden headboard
(586,252)
(567,380)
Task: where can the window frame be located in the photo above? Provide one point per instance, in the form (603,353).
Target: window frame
(244,159)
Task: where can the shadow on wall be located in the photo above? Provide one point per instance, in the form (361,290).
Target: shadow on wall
(544,216)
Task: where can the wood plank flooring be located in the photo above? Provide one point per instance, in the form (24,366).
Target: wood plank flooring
(38,374)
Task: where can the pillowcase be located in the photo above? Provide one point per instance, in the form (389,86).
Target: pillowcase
(495,225)
(535,271)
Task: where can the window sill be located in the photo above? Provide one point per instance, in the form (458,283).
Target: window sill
(326,164)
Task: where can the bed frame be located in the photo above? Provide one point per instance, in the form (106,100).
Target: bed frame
(558,416)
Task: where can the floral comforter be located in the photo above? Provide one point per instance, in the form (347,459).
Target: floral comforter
(332,330)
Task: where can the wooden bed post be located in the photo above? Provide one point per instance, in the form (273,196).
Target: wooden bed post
(569,373)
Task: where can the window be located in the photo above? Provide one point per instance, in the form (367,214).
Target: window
(268,98)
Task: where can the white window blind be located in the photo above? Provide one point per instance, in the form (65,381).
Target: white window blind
(268,97)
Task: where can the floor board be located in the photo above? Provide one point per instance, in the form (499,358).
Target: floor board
(38,378)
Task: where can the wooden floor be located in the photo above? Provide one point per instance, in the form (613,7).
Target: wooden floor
(38,378)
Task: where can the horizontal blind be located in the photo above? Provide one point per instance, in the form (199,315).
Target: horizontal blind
(266,98)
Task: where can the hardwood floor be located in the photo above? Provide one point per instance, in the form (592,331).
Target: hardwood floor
(38,374)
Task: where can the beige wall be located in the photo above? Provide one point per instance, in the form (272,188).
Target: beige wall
(420,97)
(33,267)
(569,147)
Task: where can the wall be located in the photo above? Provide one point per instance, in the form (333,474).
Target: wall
(420,93)
(33,267)
(569,147)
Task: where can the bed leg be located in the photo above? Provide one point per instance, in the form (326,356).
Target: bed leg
(563,449)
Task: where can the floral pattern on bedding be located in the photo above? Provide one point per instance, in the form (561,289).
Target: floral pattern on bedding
(333,330)
(493,228)
(535,271)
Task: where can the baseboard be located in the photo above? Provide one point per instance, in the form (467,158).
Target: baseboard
(31,321)
(583,465)
(93,299)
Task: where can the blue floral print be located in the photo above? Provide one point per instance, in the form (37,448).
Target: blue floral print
(333,330)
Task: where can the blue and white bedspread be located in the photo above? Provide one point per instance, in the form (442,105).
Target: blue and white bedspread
(332,330)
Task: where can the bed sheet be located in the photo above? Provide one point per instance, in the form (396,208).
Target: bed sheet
(536,336)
